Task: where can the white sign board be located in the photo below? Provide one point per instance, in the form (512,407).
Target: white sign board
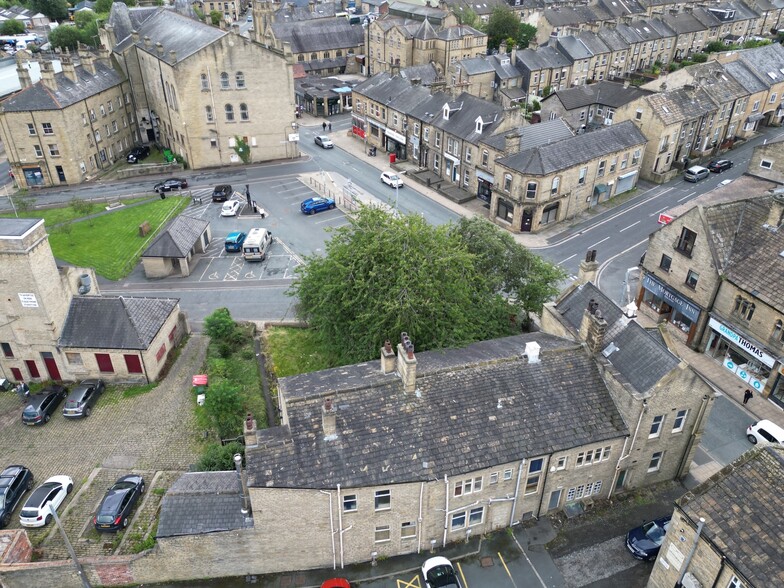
(674,556)
(28,300)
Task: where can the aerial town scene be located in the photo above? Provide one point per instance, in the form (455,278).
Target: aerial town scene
(391,293)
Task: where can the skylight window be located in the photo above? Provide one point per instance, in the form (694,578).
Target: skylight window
(665,109)
(771,75)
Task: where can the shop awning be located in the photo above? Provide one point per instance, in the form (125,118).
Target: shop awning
(484,176)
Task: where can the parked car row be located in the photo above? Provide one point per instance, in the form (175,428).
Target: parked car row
(112,515)
(697,172)
(79,403)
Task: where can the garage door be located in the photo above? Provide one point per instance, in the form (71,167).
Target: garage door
(626,182)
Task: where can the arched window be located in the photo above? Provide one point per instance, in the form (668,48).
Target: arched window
(173,98)
(208,113)
(313,56)
(239,78)
(326,54)
(224,81)
(338,53)
(229,113)
(300,57)
(244,112)
(556,183)
(507,182)
(205,83)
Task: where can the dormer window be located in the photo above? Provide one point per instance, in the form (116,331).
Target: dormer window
(479,125)
(446,111)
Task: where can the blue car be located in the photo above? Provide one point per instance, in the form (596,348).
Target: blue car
(645,541)
(234,241)
(316,204)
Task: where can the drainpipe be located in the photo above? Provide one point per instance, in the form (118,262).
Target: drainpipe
(419,519)
(331,529)
(636,431)
(340,526)
(684,465)
(700,525)
(722,565)
(446,508)
(517,492)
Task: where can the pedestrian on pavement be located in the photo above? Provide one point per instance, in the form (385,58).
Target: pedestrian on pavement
(747,395)
(323,126)
(330,127)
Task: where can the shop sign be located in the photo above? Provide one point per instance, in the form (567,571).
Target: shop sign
(655,287)
(741,372)
(751,348)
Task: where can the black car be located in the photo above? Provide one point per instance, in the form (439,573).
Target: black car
(118,502)
(719,165)
(15,480)
(41,406)
(82,399)
(138,153)
(645,541)
(170,184)
(222,193)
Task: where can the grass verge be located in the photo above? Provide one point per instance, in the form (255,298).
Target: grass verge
(292,351)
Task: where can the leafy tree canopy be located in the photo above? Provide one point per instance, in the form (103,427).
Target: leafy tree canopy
(54,9)
(503,24)
(445,286)
(215,17)
(65,37)
(12,27)
(224,406)
(466,16)
(526,34)
(219,325)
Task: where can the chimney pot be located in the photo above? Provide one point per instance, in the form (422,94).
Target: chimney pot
(147,41)
(406,363)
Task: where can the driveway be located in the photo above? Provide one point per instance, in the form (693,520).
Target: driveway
(153,433)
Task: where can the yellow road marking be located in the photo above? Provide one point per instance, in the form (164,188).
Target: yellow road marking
(462,577)
(414,583)
(508,573)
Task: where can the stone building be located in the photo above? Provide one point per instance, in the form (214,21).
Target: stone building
(70,125)
(55,324)
(727,530)
(698,280)
(554,182)
(213,97)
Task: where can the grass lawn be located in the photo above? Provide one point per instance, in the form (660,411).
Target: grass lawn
(294,351)
(62,214)
(111,243)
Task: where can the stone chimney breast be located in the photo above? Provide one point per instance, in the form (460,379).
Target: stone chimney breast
(387,358)
(593,327)
(329,419)
(589,268)
(406,363)
(147,42)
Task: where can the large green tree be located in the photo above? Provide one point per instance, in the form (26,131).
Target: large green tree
(54,9)
(12,27)
(65,37)
(503,24)
(382,275)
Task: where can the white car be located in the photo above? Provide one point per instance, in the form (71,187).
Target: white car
(440,573)
(392,179)
(35,512)
(230,208)
(765,432)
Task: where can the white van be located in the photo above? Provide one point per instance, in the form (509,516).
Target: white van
(256,244)
(765,432)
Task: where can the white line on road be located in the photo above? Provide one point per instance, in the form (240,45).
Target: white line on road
(567,259)
(609,261)
(629,227)
(530,563)
(598,242)
(687,196)
(659,211)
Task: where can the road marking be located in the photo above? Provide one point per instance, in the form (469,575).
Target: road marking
(508,573)
(629,227)
(687,196)
(607,263)
(659,211)
(567,259)
(597,243)
(414,583)
(460,569)
(528,559)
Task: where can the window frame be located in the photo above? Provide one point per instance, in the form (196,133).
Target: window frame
(347,501)
(379,533)
(656,460)
(680,420)
(382,500)
(656,427)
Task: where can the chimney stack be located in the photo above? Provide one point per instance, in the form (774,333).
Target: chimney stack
(329,419)
(589,268)
(406,363)
(147,42)
(532,351)
(87,61)
(22,69)
(249,431)
(68,67)
(47,75)
(593,327)
(387,358)
(135,36)
(512,142)
(172,56)
(776,214)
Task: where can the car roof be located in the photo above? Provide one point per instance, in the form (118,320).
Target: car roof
(11,471)
(234,234)
(696,168)
(40,493)
(769,426)
(113,499)
(78,393)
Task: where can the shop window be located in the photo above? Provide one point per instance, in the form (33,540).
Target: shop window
(744,308)
(505,210)
(550,214)
(665,262)
(691,279)
(685,243)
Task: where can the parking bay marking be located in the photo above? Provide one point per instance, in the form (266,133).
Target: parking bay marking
(414,583)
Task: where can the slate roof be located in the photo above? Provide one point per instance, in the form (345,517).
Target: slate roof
(115,322)
(202,502)
(318,35)
(427,73)
(125,19)
(478,65)
(532,136)
(574,15)
(766,62)
(742,506)
(462,121)
(573,48)
(686,22)
(604,93)
(612,39)
(178,238)
(476,407)
(40,97)
(565,154)
(680,105)
(396,91)
(711,76)
(185,36)
(542,58)
(737,235)
(458,32)
(593,42)
(745,77)
(417,12)
(290,12)
(642,359)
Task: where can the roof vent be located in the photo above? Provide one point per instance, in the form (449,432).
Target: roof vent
(532,351)
(610,349)
(85,283)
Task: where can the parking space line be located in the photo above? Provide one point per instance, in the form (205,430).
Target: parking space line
(508,573)
(462,575)
(528,559)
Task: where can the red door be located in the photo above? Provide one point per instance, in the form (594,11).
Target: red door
(51,366)
(133,363)
(104,362)
(32,368)
(17,374)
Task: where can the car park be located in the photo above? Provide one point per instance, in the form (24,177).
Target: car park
(35,512)
(765,432)
(234,241)
(696,173)
(256,244)
(316,204)
(644,542)
(439,573)
(170,184)
(719,165)
(15,480)
(82,399)
(138,153)
(40,407)
(118,502)
(230,208)
(324,142)
(392,179)
(222,193)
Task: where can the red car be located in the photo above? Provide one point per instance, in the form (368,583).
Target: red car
(336,583)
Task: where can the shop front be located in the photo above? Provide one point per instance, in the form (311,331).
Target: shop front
(396,143)
(740,354)
(33,176)
(484,185)
(669,305)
